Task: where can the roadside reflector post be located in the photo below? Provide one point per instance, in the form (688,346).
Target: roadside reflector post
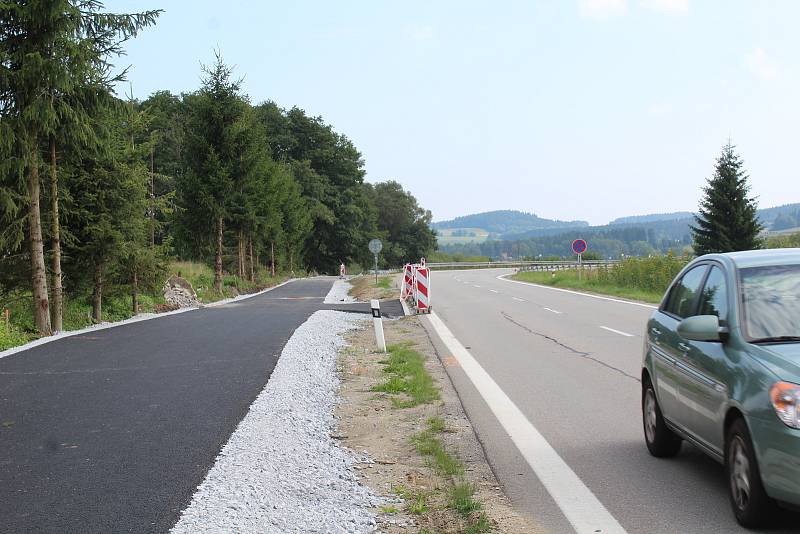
(377,322)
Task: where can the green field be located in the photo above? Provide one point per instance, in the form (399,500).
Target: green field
(456,236)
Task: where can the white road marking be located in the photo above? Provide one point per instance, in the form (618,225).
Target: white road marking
(519,299)
(617,331)
(494,291)
(504,279)
(552,310)
(580,506)
(476,286)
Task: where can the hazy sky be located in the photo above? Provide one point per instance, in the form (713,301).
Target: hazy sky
(571,109)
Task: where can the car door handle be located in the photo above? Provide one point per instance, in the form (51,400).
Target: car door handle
(684,347)
(655,331)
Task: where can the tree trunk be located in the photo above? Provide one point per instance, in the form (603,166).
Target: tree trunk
(152,199)
(272,259)
(218,259)
(41,303)
(135,291)
(97,294)
(291,261)
(58,292)
(250,256)
(241,255)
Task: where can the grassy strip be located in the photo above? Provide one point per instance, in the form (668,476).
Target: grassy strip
(586,282)
(461,495)
(407,376)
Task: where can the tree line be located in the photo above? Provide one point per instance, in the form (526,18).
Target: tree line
(98,191)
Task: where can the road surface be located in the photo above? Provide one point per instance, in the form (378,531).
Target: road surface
(571,364)
(111,431)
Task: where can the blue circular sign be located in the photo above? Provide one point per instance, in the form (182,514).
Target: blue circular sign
(579,246)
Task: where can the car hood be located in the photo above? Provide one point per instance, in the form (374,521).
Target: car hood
(783,359)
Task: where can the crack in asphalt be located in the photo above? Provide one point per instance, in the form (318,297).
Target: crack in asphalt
(582,354)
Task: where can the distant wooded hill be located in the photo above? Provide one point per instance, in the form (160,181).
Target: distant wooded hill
(637,235)
(504,222)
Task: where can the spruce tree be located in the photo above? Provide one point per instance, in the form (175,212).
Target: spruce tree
(53,54)
(727,218)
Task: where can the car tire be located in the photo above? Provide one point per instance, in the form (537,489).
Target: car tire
(661,441)
(751,504)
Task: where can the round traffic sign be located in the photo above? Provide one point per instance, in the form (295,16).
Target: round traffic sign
(375,246)
(579,246)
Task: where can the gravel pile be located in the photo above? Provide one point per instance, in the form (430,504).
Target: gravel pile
(339,293)
(281,471)
(179,292)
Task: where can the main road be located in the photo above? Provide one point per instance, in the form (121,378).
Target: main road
(566,366)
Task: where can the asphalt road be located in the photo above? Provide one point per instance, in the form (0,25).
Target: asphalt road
(571,364)
(111,431)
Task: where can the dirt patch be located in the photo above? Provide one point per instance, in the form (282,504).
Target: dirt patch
(364,288)
(370,421)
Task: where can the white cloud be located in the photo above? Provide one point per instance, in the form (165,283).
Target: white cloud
(761,65)
(670,7)
(602,9)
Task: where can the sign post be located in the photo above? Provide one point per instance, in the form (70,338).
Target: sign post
(375,246)
(579,247)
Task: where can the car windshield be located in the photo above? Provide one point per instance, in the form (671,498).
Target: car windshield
(771,302)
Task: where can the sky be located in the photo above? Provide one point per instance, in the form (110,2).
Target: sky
(570,109)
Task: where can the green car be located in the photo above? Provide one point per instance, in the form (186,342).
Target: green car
(721,370)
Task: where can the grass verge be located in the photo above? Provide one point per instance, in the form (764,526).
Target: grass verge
(585,282)
(407,377)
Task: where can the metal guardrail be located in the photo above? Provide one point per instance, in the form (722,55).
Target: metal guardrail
(524,265)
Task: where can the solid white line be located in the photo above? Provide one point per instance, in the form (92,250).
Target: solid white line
(134,319)
(504,279)
(519,299)
(580,506)
(617,331)
(554,311)
(494,291)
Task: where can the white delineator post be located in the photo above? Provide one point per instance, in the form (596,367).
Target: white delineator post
(377,322)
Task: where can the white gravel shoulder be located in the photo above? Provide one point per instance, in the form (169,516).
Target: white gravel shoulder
(339,293)
(281,471)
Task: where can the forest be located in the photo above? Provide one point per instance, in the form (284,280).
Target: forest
(100,194)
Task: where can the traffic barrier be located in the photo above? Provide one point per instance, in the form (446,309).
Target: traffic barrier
(422,290)
(407,289)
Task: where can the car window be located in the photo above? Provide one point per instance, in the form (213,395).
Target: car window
(682,297)
(771,301)
(714,298)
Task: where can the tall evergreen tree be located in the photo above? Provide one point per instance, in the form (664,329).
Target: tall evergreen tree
(51,52)
(727,218)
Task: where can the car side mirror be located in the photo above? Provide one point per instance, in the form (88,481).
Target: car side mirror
(702,328)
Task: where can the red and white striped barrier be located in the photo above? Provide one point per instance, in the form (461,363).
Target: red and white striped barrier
(422,292)
(407,289)
(416,286)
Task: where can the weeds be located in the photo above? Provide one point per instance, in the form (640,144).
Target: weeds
(408,376)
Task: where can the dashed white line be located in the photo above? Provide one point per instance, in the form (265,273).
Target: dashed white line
(617,331)
(519,299)
(494,291)
(580,506)
(476,286)
(552,310)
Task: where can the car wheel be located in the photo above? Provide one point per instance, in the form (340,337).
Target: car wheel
(751,504)
(661,441)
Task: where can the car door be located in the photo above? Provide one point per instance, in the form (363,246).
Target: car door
(706,367)
(667,346)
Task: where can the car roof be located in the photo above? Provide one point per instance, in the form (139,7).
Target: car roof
(759,258)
